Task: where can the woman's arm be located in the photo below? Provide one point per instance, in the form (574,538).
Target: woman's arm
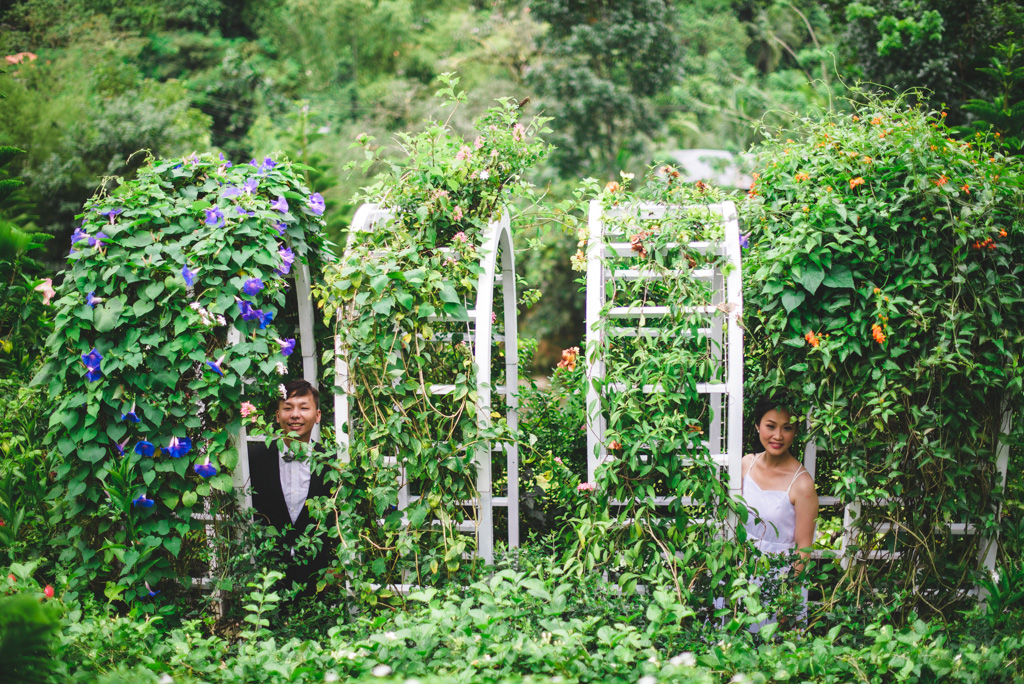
(805,501)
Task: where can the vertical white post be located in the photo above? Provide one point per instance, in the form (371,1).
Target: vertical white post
(510,302)
(734,358)
(595,339)
(989,546)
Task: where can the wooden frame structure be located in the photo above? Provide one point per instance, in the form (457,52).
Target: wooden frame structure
(724,442)
(497,263)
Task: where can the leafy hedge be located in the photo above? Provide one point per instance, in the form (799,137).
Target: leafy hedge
(144,388)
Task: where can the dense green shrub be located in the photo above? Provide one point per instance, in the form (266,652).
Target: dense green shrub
(884,290)
(143,383)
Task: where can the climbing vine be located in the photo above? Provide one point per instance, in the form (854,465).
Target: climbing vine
(144,384)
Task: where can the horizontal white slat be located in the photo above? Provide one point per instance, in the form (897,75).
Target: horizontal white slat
(625,249)
(648,332)
(652,274)
(656,311)
(702,388)
(720,460)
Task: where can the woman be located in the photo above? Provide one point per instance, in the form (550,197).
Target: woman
(778,490)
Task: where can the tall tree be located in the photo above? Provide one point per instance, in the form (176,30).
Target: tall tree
(604,63)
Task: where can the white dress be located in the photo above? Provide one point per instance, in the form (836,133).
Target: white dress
(771,520)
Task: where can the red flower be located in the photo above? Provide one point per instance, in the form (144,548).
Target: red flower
(942,181)
(48,591)
(812,339)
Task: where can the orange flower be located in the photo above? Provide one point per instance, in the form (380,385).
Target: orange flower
(876,121)
(812,339)
(611,186)
(942,181)
(614,446)
(966,189)
(801,177)
(876,332)
(856,118)
(1002,232)
(877,290)
(828,188)
(867,160)
(569,357)
(855,182)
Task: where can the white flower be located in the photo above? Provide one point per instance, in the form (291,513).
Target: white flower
(485,174)
(281,368)
(647,679)
(740,679)
(995,577)
(381,671)
(391,636)
(166,678)
(284,395)
(685,659)
(331,677)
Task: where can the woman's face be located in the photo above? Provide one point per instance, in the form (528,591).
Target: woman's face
(776,432)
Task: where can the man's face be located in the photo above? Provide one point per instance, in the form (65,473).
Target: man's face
(298,415)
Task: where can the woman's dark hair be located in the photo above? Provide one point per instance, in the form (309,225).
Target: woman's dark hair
(772,403)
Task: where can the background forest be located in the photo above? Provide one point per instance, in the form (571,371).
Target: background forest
(624,83)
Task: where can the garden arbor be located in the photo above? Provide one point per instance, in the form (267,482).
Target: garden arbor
(471,324)
(632,312)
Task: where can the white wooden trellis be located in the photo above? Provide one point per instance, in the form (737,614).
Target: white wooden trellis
(497,262)
(987,549)
(605,246)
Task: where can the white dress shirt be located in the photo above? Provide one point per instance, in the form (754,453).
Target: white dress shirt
(294,484)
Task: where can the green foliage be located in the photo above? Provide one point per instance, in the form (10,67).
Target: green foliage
(606,61)
(1004,115)
(884,290)
(27,628)
(139,357)
(403,292)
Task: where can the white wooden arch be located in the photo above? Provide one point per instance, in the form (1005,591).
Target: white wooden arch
(497,263)
(606,244)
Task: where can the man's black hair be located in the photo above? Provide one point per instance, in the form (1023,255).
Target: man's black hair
(302,388)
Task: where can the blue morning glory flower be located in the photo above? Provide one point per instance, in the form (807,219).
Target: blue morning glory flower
(264,318)
(214,217)
(92,300)
(98,240)
(280,205)
(287,345)
(231,191)
(251,185)
(245,308)
(287,259)
(78,236)
(153,592)
(93,374)
(252,286)
(188,275)
(143,501)
(215,366)
(744,241)
(243,212)
(144,448)
(111,213)
(178,447)
(130,415)
(121,446)
(205,470)
(252,162)
(280,226)
(267,164)
(92,365)
(316,203)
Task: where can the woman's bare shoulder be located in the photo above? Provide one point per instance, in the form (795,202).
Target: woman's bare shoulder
(803,486)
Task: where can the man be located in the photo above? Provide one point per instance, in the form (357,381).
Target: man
(282,480)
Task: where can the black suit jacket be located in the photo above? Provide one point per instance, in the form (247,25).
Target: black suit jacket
(269,504)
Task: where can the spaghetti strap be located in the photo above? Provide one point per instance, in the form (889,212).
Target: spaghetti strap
(800,471)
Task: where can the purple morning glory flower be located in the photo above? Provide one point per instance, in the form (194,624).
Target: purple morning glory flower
(245,308)
(214,217)
(215,366)
(252,162)
(281,226)
(252,286)
(744,241)
(243,212)
(92,365)
(178,447)
(287,345)
(92,300)
(78,236)
(121,446)
(205,470)
(287,259)
(221,155)
(265,318)
(188,275)
(251,185)
(267,164)
(130,415)
(98,240)
(231,191)
(143,501)
(153,592)
(144,448)
(316,203)
(280,205)
(93,374)
(111,213)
